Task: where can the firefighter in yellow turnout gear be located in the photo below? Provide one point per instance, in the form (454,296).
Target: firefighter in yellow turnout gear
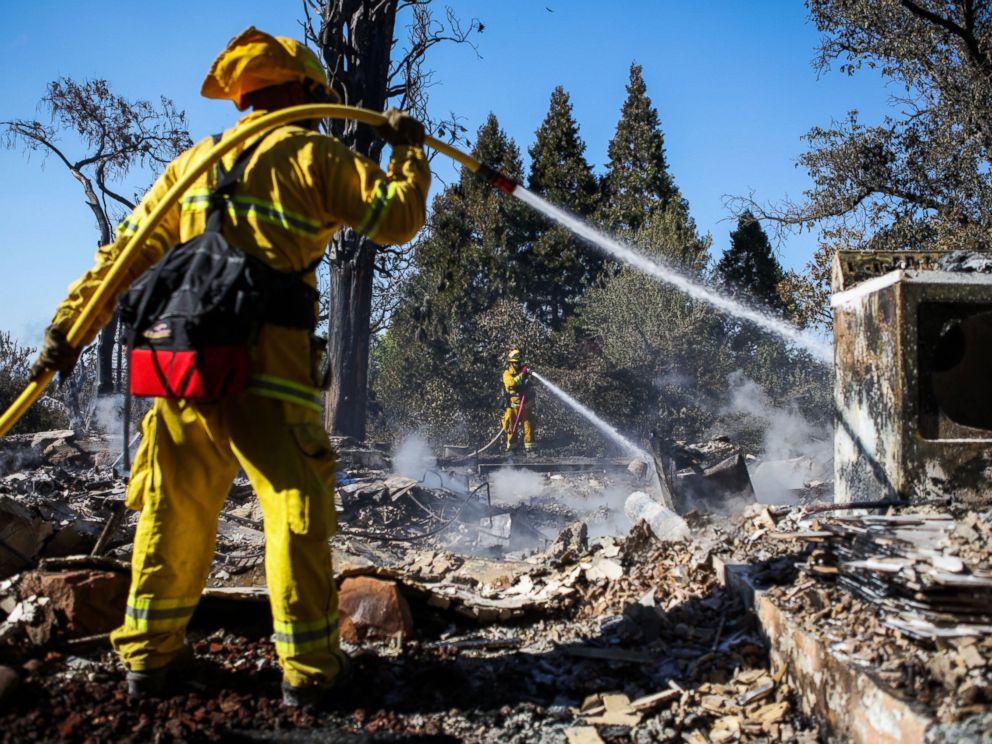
(298,188)
(519,403)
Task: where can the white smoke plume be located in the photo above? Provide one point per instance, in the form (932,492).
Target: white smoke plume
(609,519)
(108,416)
(795,451)
(510,487)
(412,457)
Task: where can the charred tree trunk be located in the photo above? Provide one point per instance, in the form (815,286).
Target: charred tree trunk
(356,40)
(349,336)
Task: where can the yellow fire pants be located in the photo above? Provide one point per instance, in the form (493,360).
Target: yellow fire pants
(526,425)
(182,473)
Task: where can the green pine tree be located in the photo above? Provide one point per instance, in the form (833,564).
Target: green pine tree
(467,262)
(748,268)
(637,180)
(469,256)
(557,267)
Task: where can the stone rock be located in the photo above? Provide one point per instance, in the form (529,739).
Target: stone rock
(571,543)
(372,607)
(82,602)
(41,440)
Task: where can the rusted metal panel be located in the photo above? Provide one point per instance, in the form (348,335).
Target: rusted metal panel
(912,393)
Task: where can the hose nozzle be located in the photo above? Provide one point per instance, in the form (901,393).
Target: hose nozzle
(496,179)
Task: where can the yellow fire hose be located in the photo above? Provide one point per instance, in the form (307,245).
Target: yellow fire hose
(109,289)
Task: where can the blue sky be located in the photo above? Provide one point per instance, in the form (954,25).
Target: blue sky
(732,81)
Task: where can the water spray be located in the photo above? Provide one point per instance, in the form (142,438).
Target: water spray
(820,351)
(595,420)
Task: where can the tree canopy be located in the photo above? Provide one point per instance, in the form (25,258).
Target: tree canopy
(637,180)
(748,268)
(557,266)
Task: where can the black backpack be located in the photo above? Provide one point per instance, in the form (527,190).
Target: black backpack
(190,320)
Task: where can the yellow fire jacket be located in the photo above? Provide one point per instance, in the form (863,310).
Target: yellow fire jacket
(513,383)
(299,187)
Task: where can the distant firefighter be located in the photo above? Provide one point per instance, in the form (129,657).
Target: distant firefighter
(518,397)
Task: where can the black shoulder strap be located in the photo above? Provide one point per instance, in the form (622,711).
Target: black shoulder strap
(226,181)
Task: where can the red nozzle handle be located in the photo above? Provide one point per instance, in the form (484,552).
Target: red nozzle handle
(497,179)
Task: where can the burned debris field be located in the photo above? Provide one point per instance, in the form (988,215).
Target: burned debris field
(539,612)
(393,408)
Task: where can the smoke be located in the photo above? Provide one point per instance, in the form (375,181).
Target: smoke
(108,416)
(674,378)
(594,500)
(795,450)
(609,519)
(510,487)
(413,457)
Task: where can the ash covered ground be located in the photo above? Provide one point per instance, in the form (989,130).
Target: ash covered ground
(480,604)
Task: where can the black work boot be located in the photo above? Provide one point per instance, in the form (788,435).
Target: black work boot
(154,683)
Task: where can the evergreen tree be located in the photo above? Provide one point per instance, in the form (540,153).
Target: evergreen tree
(470,253)
(637,181)
(748,268)
(557,267)
(467,261)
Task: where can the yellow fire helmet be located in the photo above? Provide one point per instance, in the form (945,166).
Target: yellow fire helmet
(254,60)
(514,356)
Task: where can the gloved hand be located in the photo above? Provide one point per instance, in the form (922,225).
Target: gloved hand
(56,354)
(399,129)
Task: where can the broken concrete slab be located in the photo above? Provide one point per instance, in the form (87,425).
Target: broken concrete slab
(830,688)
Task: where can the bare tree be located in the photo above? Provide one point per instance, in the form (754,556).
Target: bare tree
(921,178)
(370,68)
(116,135)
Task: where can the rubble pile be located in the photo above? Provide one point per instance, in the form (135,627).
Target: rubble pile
(512,512)
(909,566)
(57,495)
(575,635)
(651,648)
(709,476)
(513,605)
(902,597)
(952,677)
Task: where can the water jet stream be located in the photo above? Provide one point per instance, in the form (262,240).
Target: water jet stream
(820,351)
(604,427)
